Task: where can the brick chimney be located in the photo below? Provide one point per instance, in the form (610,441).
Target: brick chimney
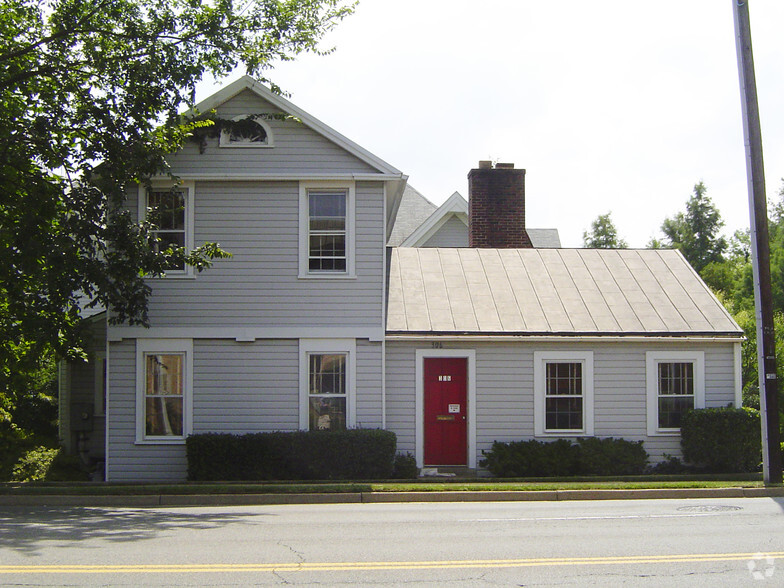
(496,206)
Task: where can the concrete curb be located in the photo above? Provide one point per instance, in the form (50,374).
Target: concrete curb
(159,500)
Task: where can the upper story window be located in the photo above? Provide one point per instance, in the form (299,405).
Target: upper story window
(563,399)
(170,210)
(247,131)
(326,230)
(675,383)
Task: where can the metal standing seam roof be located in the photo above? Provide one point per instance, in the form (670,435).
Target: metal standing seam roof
(566,292)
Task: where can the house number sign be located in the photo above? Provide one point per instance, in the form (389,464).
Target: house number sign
(444,378)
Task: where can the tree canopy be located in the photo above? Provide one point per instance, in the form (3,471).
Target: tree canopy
(603,234)
(696,232)
(90,92)
(89,98)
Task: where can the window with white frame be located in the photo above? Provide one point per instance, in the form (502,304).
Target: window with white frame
(563,395)
(247,131)
(170,210)
(327,391)
(164,387)
(326,221)
(675,383)
(327,373)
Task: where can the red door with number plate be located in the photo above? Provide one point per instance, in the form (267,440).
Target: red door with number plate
(445,390)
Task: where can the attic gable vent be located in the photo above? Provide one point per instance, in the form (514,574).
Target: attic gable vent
(247,131)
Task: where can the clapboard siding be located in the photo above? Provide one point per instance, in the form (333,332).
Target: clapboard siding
(453,233)
(127,461)
(401,394)
(368,386)
(259,286)
(297,149)
(505,389)
(245,387)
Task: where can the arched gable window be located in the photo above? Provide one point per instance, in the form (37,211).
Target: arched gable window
(247,131)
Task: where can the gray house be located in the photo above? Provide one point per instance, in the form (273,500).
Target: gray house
(314,323)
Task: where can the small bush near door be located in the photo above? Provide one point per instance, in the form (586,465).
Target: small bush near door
(355,454)
(722,440)
(590,456)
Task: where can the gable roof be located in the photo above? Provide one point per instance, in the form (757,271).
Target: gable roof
(412,231)
(547,292)
(248,83)
(455,206)
(413,211)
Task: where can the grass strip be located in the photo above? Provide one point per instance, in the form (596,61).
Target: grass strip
(107,489)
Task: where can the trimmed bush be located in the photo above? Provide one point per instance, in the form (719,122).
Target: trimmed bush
(561,458)
(611,457)
(722,440)
(405,467)
(534,459)
(354,454)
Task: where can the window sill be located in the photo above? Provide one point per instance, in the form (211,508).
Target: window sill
(327,276)
(563,433)
(176,441)
(665,433)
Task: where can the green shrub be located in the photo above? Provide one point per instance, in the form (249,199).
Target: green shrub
(532,459)
(405,467)
(303,455)
(611,457)
(668,466)
(722,440)
(590,456)
(33,465)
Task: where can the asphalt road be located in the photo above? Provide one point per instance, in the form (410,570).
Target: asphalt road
(727,542)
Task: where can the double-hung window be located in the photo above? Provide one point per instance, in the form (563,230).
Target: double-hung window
(164,384)
(326,220)
(170,210)
(327,391)
(327,375)
(675,383)
(563,399)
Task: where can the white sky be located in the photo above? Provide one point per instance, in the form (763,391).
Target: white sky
(617,106)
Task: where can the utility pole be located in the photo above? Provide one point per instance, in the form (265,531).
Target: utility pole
(760,249)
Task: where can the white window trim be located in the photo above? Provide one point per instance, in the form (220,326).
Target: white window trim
(143,347)
(652,359)
(345,346)
(304,229)
(189,188)
(421,354)
(224,136)
(541,358)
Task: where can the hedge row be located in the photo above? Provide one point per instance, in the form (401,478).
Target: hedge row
(722,440)
(590,456)
(356,454)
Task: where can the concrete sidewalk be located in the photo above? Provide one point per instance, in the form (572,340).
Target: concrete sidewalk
(161,500)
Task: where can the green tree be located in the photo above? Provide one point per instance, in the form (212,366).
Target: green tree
(603,235)
(696,232)
(90,92)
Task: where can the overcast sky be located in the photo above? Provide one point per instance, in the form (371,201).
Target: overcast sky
(616,106)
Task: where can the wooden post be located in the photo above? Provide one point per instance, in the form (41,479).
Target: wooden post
(760,249)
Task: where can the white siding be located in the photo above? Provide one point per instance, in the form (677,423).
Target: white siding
(237,388)
(505,389)
(297,149)
(453,233)
(259,286)
(368,385)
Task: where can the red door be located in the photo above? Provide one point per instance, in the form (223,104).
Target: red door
(446,411)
